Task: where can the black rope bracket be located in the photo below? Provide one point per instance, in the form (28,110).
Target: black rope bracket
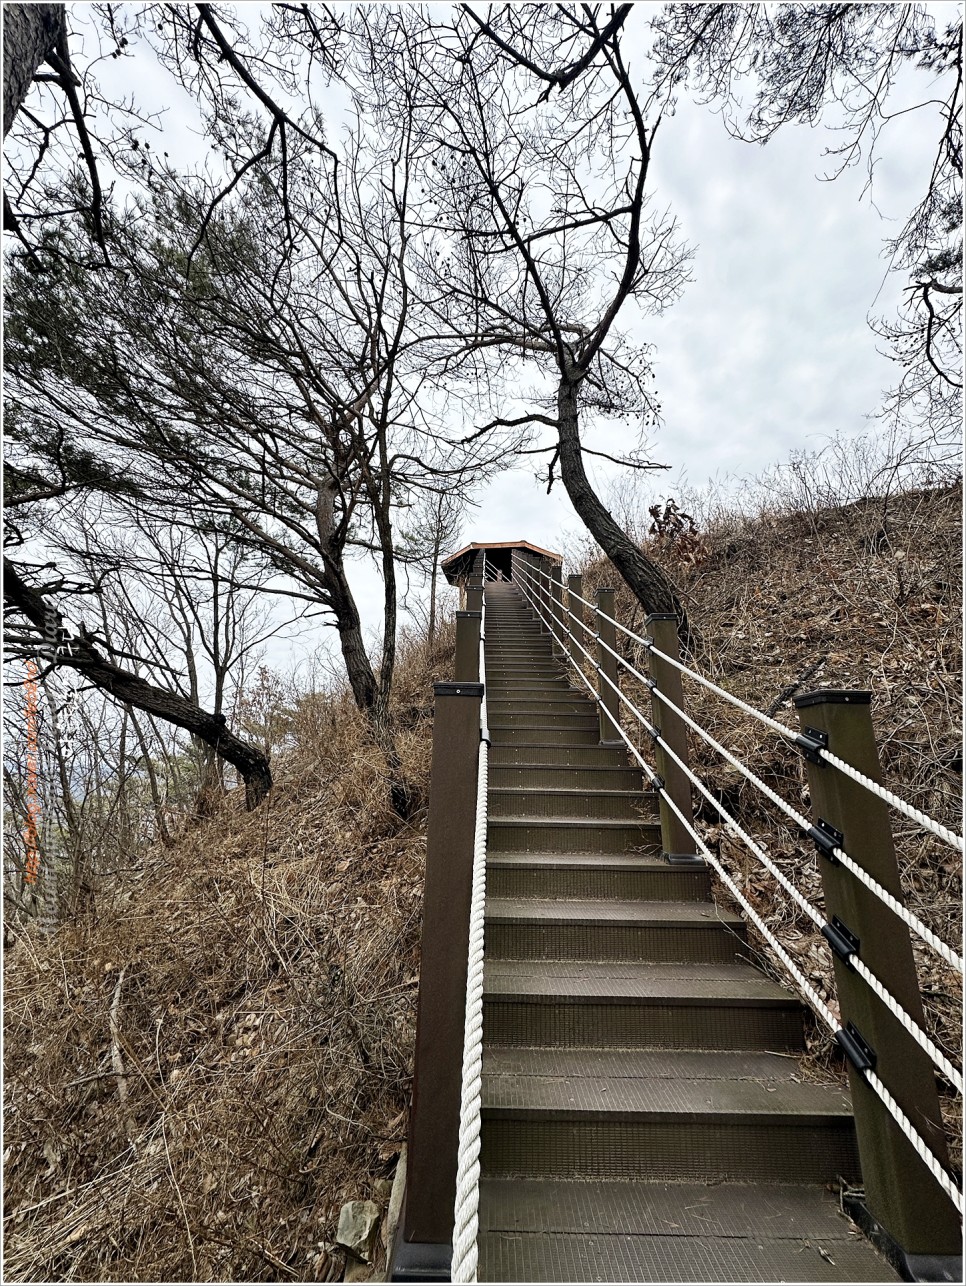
(826,839)
(811,743)
(856,1049)
(842,940)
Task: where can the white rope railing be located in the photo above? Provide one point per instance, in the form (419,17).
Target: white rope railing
(925,1153)
(466,1213)
(854,961)
(914,814)
(910,1025)
(912,921)
(890,797)
(909,918)
(942,949)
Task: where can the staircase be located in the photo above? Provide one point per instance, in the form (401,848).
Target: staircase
(644,1117)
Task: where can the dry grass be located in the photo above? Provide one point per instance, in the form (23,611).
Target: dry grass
(865,596)
(200,1077)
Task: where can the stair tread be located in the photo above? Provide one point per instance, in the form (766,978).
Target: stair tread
(525,1256)
(592,910)
(607,982)
(779,1211)
(575,823)
(636,1064)
(613,748)
(567,792)
(642,861)
(711,1098)
(569,768)
(564,715)
(563,1257)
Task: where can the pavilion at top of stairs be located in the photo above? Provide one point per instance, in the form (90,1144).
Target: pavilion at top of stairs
(501,558)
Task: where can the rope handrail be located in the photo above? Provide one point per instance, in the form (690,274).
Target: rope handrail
(465,1261)
(912,921)
(925,1153)
(900,805)
(909,918)
(890,797)
(921,1037)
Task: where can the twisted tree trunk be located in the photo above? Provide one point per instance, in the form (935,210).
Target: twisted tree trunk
(650,584)
(132,689)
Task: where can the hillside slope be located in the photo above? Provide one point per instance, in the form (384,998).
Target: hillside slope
(198,1077)
(201,1075)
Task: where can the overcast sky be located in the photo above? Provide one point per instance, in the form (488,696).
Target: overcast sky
(769,349)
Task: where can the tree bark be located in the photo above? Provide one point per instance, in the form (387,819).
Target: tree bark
(132,689)
(650,584)
(30,32)
(362,680)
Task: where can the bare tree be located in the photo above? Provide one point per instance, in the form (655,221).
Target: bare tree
(31,615)
(67,125)
(273,361)
(536,151)
(433,526)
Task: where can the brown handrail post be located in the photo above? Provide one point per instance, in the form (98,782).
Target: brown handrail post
(556,607)
(575,590)
(904,1210)
(467,667)
(423,1248)
(474,594)
(534,588)
(543,594)
(607,633)
(678,843)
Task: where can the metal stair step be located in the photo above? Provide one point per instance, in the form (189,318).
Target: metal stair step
(553,692)
(581,1115)
(520,753)
(597,929)
(521,664)
(562,834)
(517,680)
(714,1087)
(805,1151)
(537,1230)
(584,734)
(543,776)
(758,1211)
(537,646)
(593,875)
(547,706)
(510,689)
(651,1065)
(709,1110)
(545,715)
(586,804)
(636,1006)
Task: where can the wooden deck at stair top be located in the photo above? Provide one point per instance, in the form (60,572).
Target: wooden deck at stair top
(643,1114)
